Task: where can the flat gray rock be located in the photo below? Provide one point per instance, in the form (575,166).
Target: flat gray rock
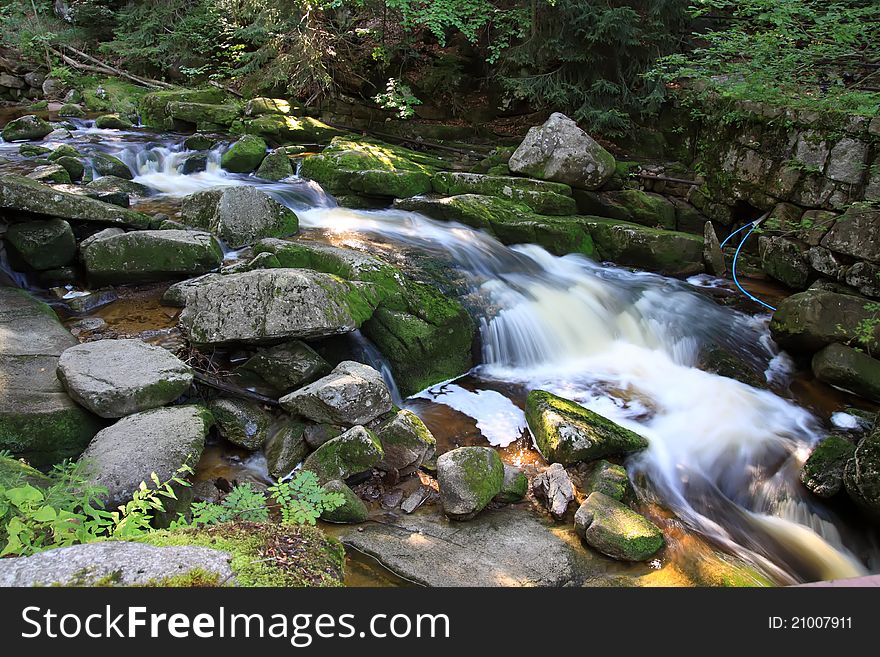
(114,562)
(114,378)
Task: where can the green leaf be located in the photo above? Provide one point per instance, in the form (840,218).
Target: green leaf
(24,495)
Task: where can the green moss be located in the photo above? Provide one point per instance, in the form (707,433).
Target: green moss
(14,473)
(348,454)
(203,115)
(267,554)
(275,166)
(32,150)
(47,437)
(539,196)
(116,96)
(479,470)
(287,129)
(154,106)
(107,165)
(71,110)
(514,488)
(352,510)
(244,155)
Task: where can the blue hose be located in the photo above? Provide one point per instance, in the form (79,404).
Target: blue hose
(753,225)
(738,230)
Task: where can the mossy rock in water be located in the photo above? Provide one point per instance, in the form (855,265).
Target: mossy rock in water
(406,441)
(71,110)
(822,473)
(244,155)
(241,422)
(267,554)
(275,166)
(260,106)
(108,165)
(42,244)
(288,365)
(566,432)
(631,205)
(64,150)
(27,127)
(51,174)
(357,450)
(202,114)
(288,129)
(847,368)
(32,150)
(616,530)
(286,448)
(496,162)
(154,106)
(73,166)
(469,477)
(609,479)
(514,487)
(862,474)
(539,196)
(352,511)
(113,122)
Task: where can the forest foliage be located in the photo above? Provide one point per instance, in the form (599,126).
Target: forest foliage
(607,64)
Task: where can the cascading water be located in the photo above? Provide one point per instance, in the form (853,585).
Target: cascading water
(723,456)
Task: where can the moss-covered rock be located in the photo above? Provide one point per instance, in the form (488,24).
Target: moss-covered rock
(286,448)
(514,487)
(51,174)
(406,441)
(862,474)
(29,127)
(538,195)
(495,163)
(32,150)
(244,155)
(565,432)
(469,477)
(42,244)
(846,368)
(630,205)
(811,320)
(202,114)
(287,366)
(71,110)
(241,422)
(356,450)
(616,530)
(267,554)
(108,165)
(275,166)
(784,260)
(113,122)
(288,129)
(352,511)
(822,473)
(73,166)
(115,185)
(154,106)
(609,479)
(259,106)
(151,255)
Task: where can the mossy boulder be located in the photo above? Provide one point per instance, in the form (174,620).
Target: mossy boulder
(538,195)
(244,155)
(861,476)
(469,477)
(811,320)
(26,128)
(238,215)
(616,530)
(515,486)
(241,422)
(287,366)
(275,166)
(822,473)
(32,150)
(266,554)
(357,450)
(154,106)
(609,479)
(565,432)
(199,142)
(630,205)
(64,150)
(259,106)
(406,441)
(116,185)
(352,511)
(784,260)
(38,421)
(108,165)
(113,122)
(73,166)
(202,114)
(286,448)
(151,255)
(288,129)
(42,244)
(51,174)
(847,368)
(71,110)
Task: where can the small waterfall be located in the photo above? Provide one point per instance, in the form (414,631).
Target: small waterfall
(371,355)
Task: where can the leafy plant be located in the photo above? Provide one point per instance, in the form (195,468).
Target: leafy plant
(303,499)
(242,503)
(398,97)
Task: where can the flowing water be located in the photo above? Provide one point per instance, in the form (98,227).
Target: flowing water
(723,456)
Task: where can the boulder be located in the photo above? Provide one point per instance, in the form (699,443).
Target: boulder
(238,215)
(42,244)
(241,422)
(38,421)
(566,432)
(813,319)
(609,479)
(51,174)
(259,106)
(115,184)
(846,368)
(114,378)
(30,128)
(357,450)
(109,165)
(199,142)
(287,366)
(288,129)
(560,151)
(159,441)
(406,441)
(151,255)
(73,166)
(71,110)
(286,448)
(203,115)
(154,106)
(538,195)
(822,473)
(630,205)
(32,150)
(271,305)
(856,233)
(616,530)
(515,486)
(317,434)
(244,155)
(275,166)
(865,277)
(469,477)
(112,122)
(554,487)
(713,256)
(861,477)
(353,509)
(784,260)
(117,563)
(351,394)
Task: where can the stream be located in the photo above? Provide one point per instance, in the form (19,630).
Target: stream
(724,457)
